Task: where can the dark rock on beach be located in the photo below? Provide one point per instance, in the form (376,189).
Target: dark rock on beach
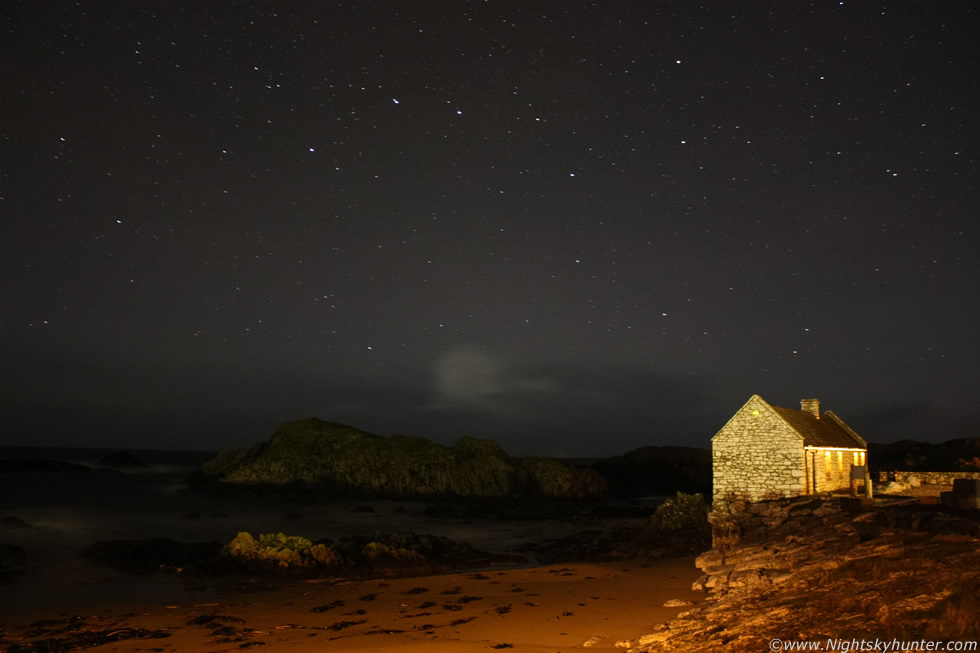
(75,633)
(159,555)
(290,556)
(386,554)
(323,459)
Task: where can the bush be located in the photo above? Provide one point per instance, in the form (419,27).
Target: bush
(681,524)
(683,512)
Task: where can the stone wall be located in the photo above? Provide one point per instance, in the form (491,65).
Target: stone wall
(755,457)
(924,478)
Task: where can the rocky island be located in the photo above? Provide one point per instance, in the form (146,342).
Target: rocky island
(314,458)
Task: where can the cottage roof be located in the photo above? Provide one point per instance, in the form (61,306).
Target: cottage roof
(827,431)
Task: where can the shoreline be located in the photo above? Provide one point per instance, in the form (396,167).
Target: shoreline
(61,595)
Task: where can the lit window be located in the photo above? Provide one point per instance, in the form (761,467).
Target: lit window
(826,466)
(840,462)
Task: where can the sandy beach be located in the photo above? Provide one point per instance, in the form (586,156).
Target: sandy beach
(552,608)
(531,607)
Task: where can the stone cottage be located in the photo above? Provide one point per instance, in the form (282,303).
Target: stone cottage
(768,452)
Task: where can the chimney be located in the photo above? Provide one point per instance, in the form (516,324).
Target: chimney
(811,406)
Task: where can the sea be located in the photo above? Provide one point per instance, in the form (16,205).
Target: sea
(53,516)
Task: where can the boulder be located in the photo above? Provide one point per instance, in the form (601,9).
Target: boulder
(312,457)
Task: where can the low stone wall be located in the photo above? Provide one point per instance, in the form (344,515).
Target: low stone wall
(925,478)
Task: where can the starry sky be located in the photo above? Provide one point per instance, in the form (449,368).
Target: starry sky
(575,227)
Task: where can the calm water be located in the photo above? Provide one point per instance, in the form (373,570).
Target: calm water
(68,511)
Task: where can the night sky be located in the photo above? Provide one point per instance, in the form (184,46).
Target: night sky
(576,228)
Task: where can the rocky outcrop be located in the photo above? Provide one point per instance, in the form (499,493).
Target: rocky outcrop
(121,460)
(650,471)
(315,458)
(959,455)
(809,570)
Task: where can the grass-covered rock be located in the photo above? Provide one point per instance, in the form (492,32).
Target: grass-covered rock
(361,556)
(280,550)
(315,458)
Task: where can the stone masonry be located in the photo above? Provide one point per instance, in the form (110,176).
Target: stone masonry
(767,452)
(755,457)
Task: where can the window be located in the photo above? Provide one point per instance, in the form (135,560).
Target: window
(827,463)
(840,462)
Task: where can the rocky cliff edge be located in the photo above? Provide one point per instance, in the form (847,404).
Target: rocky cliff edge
(808,570)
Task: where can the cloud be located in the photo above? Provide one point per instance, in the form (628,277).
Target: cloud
(548,407)
(468,378)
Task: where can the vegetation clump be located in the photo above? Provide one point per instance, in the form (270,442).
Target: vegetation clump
(280,550)
(685,512)
(679,526)
(382,554)
(359,556)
